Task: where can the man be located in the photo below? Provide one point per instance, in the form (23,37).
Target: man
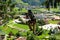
(32,21)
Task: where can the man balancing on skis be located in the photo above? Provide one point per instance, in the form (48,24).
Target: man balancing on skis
(32,21)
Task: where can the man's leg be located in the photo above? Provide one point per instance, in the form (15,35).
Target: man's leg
(30,26)
(34,27)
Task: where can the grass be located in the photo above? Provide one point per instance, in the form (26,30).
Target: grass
(22,26)
(53,22)
(44,9)
(55,9)
(7,29)
(57,36)
(44,34)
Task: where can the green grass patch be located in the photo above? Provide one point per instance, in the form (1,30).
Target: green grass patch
(22,26)
(8,29)
(55,9)
(53,22)
(44,34)
(44,9)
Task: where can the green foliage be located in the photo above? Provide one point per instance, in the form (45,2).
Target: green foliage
(22,26)
(16,10)
(7,30)
(31,36)
(18,34)
(23,10)
(52,38)
(7,4)
(41,22)
(39,31)
(22,4)
(53,22)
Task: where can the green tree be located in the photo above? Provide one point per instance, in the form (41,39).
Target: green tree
(47,5)
(52,3)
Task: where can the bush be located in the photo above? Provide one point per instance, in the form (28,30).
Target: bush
(31,36)
(39,31)
(52,38)
(41,22)
(18,34)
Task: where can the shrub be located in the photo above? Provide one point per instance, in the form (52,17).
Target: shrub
(52,38)
(41,22)
(31,36)
(18,34)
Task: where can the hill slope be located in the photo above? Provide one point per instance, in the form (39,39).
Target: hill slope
(21,2)
(34,2)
